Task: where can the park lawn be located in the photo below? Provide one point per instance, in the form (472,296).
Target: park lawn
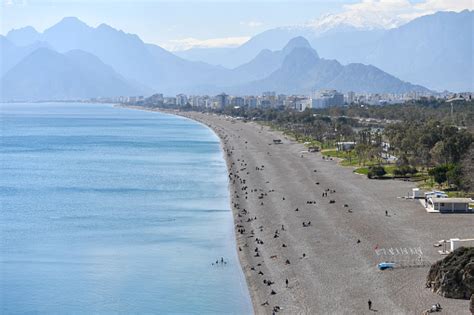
(362,170)
(339,154)
(389,168)
(349,158)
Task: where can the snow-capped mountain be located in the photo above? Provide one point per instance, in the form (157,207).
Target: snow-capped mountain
(347,20)
(433,50)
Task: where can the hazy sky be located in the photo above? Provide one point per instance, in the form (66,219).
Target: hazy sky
(183,23)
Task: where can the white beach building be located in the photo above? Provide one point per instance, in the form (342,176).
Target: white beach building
(345,146)
(434,204)
(436,194)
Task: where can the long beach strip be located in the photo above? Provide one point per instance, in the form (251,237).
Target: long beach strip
(327,247)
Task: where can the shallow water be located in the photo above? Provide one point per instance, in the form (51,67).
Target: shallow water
(107,210)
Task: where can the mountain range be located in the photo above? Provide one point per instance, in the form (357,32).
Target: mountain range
(48,75)
(433,50)
(72,60)
(297,68)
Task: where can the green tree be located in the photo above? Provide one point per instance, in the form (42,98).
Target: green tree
(454,175)
(439,153)
(439,173)
(467,168)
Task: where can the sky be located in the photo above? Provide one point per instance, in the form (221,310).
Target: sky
(183,24)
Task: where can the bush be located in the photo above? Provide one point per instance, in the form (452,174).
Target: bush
(404,170)
(376,171)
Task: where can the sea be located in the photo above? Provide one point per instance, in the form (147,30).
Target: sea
(107,210)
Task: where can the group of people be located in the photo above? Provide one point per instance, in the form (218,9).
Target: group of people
(245,223)
(219,262)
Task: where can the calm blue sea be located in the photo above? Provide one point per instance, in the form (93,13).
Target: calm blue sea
(109,210)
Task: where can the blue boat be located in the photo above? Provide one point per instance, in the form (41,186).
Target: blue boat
(386,265)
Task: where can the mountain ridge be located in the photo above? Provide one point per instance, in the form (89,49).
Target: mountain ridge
(72,75)
(130,62)
(430,40)
(303,71)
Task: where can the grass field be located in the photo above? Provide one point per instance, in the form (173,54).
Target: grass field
(349,158)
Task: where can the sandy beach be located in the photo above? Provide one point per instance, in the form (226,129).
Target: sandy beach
(306,219)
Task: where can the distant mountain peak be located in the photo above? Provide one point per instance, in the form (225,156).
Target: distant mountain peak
(29,29)
(105,27)
(69,24)
(23,36)
(298,42)
(71,20)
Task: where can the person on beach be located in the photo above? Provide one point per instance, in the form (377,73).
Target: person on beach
(370,304)
(286,282)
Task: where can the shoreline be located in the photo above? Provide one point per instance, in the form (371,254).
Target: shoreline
(319,277)
(222,144)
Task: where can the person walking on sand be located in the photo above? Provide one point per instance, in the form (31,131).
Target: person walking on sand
(286,282)
(370,304)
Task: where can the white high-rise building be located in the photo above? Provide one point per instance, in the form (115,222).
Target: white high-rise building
(325,98)
(222,100)
(350,97)
(181,100)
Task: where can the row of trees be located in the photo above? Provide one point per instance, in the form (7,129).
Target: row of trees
(428,144)
(440,147)
(460,113)
(303,124)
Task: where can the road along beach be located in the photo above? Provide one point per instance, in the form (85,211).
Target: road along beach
(311,233)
